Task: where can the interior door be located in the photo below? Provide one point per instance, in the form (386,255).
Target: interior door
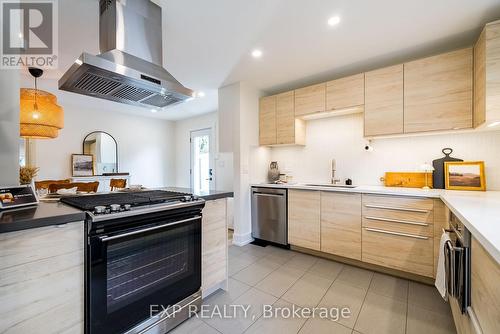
(202,160)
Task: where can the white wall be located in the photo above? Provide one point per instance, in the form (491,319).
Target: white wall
(223,162)
(342,138)
(239,115)
(146,146)
(9,127)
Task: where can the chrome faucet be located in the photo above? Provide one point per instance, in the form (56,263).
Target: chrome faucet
(334,166)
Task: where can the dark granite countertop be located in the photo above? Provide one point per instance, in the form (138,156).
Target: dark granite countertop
(55,213)
(207,196)
(44,214)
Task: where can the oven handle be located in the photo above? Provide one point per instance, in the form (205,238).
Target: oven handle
(123,235)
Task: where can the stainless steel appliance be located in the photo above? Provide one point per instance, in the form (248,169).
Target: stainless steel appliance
(142,260)
(269,215)
(129,69)
(458,263)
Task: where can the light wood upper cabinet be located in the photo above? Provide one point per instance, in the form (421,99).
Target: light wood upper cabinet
(345,92)
(341,224)
(310,100)
(267,120)
(384,101)
(487,75)
(438,92)
(304,218)
(288,129)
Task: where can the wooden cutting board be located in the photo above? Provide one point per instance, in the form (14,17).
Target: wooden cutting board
(438,164)
(407,179)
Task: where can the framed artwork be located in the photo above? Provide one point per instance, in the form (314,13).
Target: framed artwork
(464,175)
(82,164)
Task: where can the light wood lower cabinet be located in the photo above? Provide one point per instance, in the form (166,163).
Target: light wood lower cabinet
(409,253)
(214,244)
(463,322)
(304,218)
(398,233)
(485,288)
(441,218)
(341,224)
(42,280)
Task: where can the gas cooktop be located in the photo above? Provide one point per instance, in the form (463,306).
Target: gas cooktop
(125,200)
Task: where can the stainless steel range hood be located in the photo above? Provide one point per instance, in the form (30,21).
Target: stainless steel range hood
(129,69)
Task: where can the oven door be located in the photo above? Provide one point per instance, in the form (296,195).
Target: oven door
(457,267)
(141,269)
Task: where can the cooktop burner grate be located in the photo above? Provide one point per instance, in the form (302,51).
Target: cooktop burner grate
(89,202)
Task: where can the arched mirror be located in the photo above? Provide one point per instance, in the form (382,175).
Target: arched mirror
(104,148)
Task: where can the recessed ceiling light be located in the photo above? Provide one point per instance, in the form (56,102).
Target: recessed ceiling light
(256,53)
(200,94)
(154,110)
(493,124)
(333,21)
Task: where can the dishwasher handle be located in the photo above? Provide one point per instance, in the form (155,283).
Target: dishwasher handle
(258,193)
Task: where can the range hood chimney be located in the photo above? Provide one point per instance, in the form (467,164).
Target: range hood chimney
(129,69)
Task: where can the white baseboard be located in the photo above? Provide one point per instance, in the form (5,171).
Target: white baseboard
(242,239)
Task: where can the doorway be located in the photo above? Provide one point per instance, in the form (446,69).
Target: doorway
(202,160)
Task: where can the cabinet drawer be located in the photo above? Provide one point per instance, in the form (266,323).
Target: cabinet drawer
(407,227)
(403,216)
(406,252)
(410,204)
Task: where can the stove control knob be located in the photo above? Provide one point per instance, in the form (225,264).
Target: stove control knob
(115,207)
(186,198)
(99,210)
(126,207)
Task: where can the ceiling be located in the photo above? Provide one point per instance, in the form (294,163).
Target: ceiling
(207,44)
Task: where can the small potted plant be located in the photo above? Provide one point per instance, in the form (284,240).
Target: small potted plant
(27,174)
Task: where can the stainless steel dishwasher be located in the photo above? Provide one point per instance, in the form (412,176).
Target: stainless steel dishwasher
(269,215)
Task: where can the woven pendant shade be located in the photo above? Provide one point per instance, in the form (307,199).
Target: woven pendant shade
(41,117)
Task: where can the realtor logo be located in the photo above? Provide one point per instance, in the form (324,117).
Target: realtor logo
(29,34)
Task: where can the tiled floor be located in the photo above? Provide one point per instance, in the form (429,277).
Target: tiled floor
(268,275)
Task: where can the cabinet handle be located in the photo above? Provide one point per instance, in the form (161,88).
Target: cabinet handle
(396,221)
(396,233)
(395,208)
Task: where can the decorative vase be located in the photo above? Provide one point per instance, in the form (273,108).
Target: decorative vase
(274,174)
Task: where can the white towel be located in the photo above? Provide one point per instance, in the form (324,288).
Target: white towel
(69,191)
(440,282)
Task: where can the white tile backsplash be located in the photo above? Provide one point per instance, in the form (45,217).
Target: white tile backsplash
(342,138)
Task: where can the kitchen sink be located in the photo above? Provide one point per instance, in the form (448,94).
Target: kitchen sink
(330,185)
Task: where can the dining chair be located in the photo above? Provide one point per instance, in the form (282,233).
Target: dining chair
(88,187)
(46,183)
(117,184)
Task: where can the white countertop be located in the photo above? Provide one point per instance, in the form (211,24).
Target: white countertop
(478,211)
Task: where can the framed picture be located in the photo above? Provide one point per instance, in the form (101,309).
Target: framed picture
(82,164)
(466,175)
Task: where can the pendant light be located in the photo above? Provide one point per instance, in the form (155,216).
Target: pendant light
(40,115)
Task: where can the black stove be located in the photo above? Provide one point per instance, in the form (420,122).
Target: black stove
(123,201)
(143,248)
